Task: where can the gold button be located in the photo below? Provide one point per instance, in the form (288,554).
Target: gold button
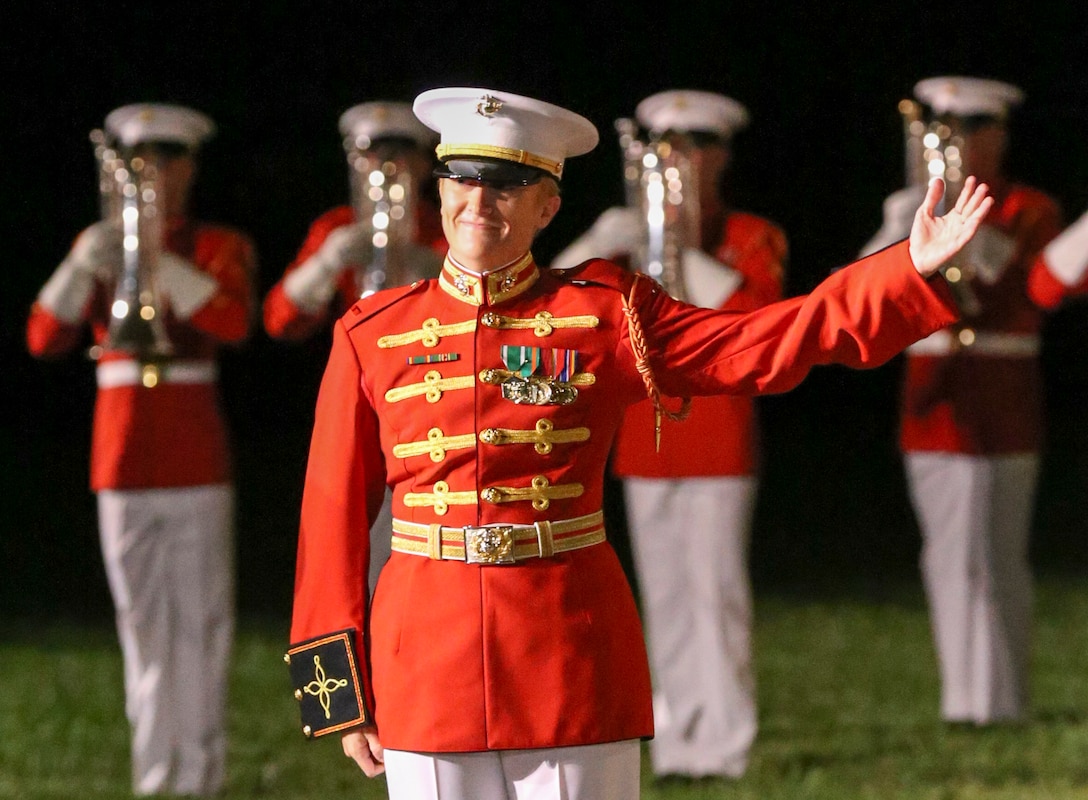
(488,435)
(286,658)
(307,731)
(491,494)
(298,694)
(490,320)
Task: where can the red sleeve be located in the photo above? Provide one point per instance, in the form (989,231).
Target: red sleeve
(229,257)
(859,317)
(344,488)
(282,318)
(47,336)
(285,320)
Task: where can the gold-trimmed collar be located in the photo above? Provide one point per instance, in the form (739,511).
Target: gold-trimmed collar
(491,288)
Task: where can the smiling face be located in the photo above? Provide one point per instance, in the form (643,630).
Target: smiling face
(486,227)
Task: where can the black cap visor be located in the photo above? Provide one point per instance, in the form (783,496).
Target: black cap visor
(490,172)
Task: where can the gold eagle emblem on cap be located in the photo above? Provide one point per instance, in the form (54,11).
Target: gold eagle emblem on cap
(488,106)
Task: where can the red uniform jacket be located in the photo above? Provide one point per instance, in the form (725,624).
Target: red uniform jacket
(548,651)
(285,320)
(173,434)
(977,388)
(721,435)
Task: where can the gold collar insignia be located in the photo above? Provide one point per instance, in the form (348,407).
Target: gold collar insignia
(495,287)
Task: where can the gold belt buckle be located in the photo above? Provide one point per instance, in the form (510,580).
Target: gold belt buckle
(492,544)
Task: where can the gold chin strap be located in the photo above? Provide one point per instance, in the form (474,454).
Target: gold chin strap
(449,151)
(642,364)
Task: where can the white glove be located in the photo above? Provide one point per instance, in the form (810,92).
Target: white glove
(1067,254)
(618,231)
(899,210)
(311,285)
(184,285)
(98,250)
(707,281)
(348,245)
(95,256)
(988,253)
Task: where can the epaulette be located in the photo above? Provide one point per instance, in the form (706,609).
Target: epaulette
(366,307)
(599,272)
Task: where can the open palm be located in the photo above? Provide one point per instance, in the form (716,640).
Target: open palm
(934,240)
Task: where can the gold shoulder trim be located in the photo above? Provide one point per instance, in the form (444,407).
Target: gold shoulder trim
(642,364)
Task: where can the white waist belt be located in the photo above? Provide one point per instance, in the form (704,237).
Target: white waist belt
(983,343)
(133,373)
(498,544)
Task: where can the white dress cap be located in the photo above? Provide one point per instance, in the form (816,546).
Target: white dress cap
(368,122)
(157,122)
(499,126)
(685,110)
(968,97)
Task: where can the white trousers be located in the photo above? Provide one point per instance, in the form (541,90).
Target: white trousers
(690,543)
(975,516)
(169,560)
(590,772)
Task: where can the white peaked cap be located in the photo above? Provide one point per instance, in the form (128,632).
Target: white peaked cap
(495,125)
(685,110)
(368,122)
(157,122)
(967,97)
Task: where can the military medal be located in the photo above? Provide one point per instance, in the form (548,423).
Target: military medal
(525,385)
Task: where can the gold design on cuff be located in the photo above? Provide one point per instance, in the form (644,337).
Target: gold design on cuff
(322,687)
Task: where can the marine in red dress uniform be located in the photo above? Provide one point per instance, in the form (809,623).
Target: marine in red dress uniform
(972,425)
(503,626)
(160,461)
(390,158)
(689,494)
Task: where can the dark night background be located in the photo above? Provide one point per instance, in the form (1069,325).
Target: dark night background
(824,147)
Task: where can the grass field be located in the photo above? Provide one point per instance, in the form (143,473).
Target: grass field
(847,692)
